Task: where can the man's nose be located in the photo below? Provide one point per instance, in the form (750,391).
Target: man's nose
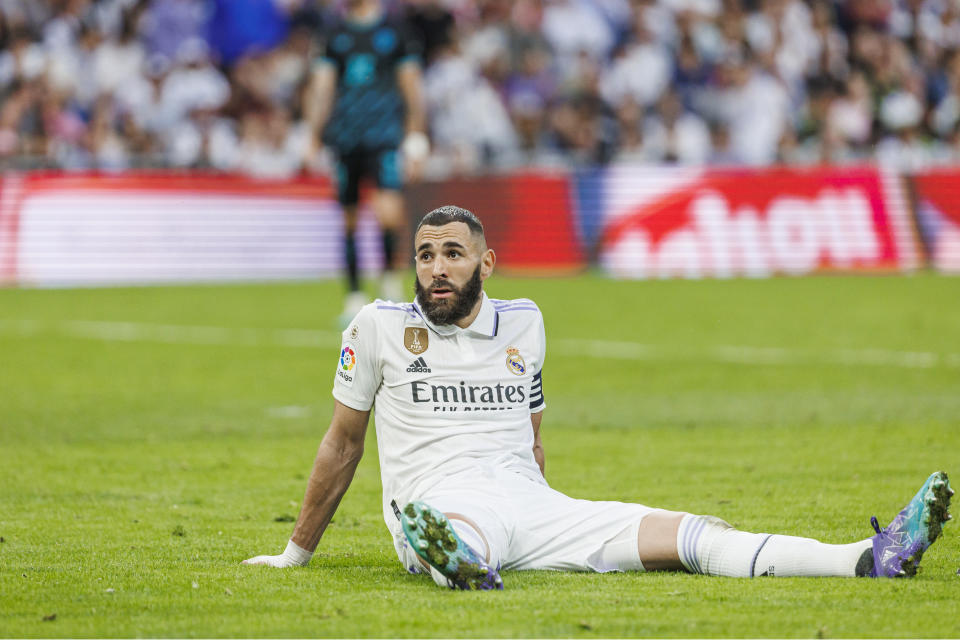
(439,268)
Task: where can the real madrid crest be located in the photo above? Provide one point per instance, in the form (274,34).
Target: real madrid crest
(416,339)
(515,362)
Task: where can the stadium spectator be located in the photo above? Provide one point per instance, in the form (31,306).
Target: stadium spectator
(642,70)
(268,146)
(576,27)
(849,124)
(798,81)
(238,28)
(469,124)
(139,101)
(829,47)
(630,148)
(673,134)
(118,61)
(167,24)
(433,24)
(527,92)
(946,111)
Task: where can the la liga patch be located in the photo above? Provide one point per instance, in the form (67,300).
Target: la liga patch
(348,361)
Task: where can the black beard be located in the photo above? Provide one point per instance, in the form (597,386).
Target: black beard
(456,307)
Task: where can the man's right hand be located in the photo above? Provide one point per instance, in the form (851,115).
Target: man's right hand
(293,556)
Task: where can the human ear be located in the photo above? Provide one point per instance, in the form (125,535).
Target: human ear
(486,264)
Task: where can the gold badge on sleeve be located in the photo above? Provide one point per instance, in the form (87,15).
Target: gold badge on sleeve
(416,339)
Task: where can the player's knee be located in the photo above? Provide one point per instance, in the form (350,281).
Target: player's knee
(350,217)
(619,553)
(389,208)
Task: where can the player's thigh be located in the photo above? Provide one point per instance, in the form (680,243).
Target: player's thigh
(474,506)
(350,169)
(388,201)
(386,168)
(555,531)
(388,206)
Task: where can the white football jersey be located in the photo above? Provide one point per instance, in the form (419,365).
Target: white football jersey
(444,398)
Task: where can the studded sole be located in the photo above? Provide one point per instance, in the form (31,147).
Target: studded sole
(936,512)
(432,538)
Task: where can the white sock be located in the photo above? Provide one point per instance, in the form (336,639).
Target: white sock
(711,546)
(789,556)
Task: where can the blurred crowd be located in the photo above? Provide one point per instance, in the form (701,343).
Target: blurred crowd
(115,84)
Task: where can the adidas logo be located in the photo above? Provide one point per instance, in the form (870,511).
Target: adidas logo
(418,366)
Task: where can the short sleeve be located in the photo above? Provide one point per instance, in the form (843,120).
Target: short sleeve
(328,54)
(359,373)
(537,402)
(411,47)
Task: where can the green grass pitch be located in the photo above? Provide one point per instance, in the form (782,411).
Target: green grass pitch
(153,438)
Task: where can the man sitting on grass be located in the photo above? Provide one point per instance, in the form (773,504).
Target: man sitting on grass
(456,381)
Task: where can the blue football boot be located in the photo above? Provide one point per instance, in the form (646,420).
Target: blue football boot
(433,538)
(898,548)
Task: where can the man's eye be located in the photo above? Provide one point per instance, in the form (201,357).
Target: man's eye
(454,254)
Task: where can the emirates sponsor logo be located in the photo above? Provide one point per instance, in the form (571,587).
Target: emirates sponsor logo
(464,396)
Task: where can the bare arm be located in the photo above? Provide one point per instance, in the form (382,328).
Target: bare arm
(410,81)
(336,462)
(416,145)
(318,99)
(535,419)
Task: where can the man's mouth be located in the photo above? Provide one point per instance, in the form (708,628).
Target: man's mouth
(441,293)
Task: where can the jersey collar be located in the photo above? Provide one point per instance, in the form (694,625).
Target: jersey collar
(364,24)
(486,323)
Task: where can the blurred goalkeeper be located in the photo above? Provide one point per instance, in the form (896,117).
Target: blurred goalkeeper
(456,380)
(365,96)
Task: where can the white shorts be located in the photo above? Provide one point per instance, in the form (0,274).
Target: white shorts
(528,525)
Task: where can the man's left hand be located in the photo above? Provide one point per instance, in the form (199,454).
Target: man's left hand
(293,556)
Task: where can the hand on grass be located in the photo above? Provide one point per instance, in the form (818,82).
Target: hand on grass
(293,556)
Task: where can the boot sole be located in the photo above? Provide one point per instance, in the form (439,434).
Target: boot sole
(432,538)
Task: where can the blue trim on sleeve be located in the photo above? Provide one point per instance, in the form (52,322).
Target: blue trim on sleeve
(536,390)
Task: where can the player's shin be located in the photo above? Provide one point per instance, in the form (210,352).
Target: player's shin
(352,262)
(389,239)
(711,546)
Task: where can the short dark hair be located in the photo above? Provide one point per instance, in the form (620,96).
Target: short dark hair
(452,213)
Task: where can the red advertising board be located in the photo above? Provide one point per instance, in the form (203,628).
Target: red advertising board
(63,229)
(10,190)
(754,223)
(527,216)
(657,222)
(938,216)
